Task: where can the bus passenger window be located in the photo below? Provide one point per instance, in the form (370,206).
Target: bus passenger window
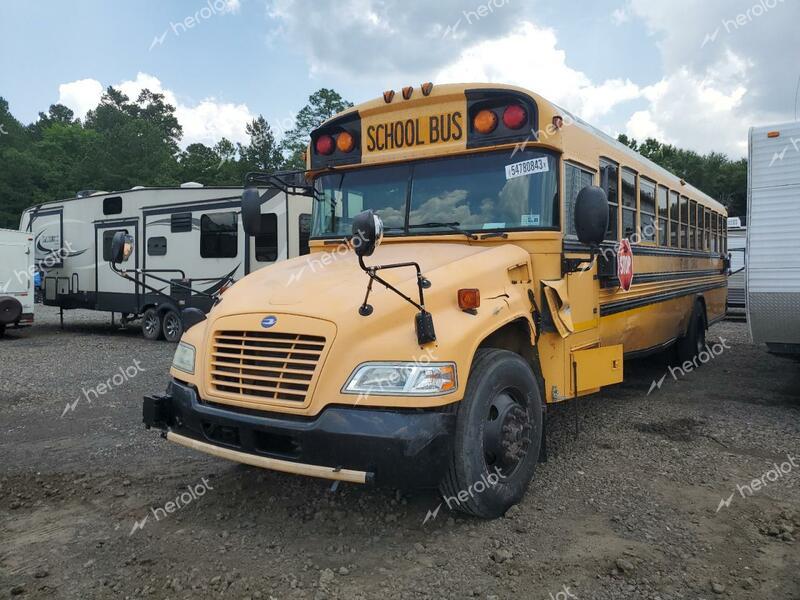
(694,240)
(647,206)
(714,233)
(663,216)
(609,175)
(684,222)
(575,179)
(674,220)
(628,203)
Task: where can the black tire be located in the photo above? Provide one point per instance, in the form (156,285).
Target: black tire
(172,326)
(10,310)
(151,324)
(694,342)
(498,436)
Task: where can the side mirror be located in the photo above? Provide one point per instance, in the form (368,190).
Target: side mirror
(251,208)
(591,215)
(367,233)
(121,247)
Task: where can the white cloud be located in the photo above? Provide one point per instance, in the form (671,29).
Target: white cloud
(205,122)
(702,112)
(540,66)
(620,16)
(81,95)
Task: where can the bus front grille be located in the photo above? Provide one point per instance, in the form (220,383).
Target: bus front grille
(261,366)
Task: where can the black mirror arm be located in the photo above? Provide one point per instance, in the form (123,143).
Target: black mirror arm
(372,272)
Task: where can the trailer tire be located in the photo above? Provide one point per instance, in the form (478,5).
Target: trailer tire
(693,343)
(172,326)
(498,436)
(151,324)
(10,310)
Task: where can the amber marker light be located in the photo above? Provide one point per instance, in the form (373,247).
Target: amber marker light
(469,298)
(774,134)
(426,87)
(345,142)
(485,121)
(388,96)
(407,91)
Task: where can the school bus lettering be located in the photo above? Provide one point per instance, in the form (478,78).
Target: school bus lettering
(410,133)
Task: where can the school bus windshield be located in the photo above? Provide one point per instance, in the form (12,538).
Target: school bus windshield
(492,191)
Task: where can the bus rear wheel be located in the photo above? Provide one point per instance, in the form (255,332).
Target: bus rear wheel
(151,324)
(694,342)
(498,436)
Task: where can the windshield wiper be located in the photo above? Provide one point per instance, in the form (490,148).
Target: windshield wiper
(453,226)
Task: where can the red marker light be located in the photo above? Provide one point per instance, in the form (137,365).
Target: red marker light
(515,116)
(325,144)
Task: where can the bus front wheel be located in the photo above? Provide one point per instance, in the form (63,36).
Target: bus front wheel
(498,436)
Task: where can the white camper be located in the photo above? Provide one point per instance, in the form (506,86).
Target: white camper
(16,279)
(773,231)
(737,245)
(189,239)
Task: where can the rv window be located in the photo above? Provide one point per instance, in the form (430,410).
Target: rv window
(305,233)
(157,246)
(180,222)
(267,242)
(219,235)
(108,237)
(112,206)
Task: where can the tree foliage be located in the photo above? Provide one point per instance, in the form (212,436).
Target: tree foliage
(124,142)
(322,105)
(713,173)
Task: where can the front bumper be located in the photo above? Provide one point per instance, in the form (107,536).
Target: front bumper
(409,448)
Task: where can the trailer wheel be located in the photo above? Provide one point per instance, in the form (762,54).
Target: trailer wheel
(151,324)
(172,326)
(694,342)
(498,436)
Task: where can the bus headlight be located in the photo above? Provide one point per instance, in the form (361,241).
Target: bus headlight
(402,379)
(184,358)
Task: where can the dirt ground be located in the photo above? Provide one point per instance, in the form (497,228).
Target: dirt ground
(653,498)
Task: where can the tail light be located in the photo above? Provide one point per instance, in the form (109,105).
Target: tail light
(345,142)
(485,121)
(325,145)
(515,116)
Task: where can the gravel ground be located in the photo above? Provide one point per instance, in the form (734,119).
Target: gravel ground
(630,507)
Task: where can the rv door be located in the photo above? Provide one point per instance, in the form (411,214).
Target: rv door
(270,245)
(115,293)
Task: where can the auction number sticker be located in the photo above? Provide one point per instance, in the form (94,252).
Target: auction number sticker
(527,167)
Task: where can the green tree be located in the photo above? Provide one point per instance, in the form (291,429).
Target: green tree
(322,105)
(262,153)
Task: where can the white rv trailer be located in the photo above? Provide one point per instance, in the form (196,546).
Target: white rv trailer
(16,279)
(737,244)
(189,237)
(773,237)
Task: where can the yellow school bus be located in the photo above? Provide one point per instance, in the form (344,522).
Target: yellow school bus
(478,254)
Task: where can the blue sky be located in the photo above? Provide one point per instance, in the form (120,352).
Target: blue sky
(644,67)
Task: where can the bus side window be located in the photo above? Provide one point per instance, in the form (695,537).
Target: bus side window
(647,208)
(674,221)
(575,179)
(628,203)
(714,233)
(693,239)
(684,222)
(663,216)
(609,175)
(304,224)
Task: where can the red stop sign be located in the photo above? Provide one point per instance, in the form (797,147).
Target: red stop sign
(625,265)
